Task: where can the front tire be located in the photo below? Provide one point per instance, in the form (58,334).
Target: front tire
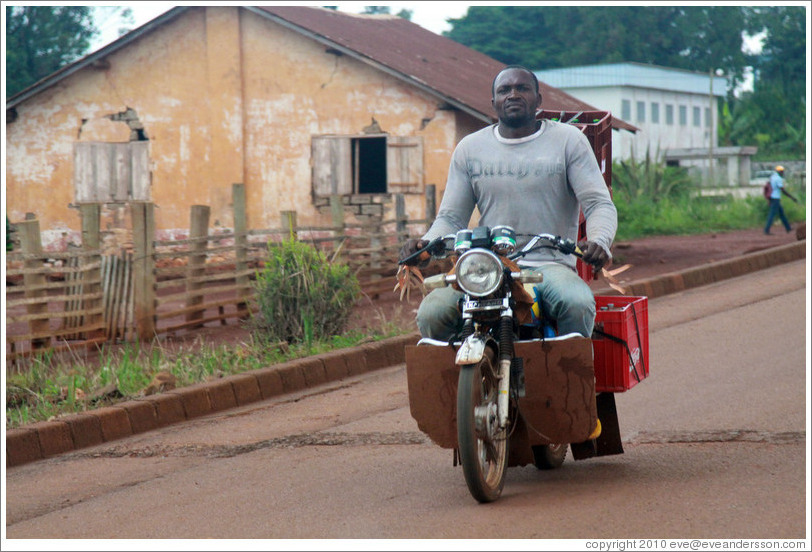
(483,447)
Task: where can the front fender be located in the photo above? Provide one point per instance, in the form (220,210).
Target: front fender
(472,350)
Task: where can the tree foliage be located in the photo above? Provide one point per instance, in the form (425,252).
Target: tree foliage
(783,55)
(41,39)
(386,10)
(546,37)
(109,15)
(773,115)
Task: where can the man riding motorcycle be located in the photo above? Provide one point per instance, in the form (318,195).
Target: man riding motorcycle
(535,176)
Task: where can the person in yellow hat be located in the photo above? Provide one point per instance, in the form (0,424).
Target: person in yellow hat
(777,183)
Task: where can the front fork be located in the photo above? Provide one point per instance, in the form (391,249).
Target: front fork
(471,351)
(505,360)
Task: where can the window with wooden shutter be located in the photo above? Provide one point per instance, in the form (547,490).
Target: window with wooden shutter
(404,164)
(111,172)
(366,164)
(331,165)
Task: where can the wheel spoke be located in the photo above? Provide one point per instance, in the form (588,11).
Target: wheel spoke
(490,451)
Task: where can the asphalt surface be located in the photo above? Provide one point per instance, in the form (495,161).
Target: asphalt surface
(714,448)
(73,432)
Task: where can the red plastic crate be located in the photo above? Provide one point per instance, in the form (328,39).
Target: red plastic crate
(620,342)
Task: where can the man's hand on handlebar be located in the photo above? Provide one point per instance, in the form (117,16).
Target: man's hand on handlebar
(594,254)
(409,249)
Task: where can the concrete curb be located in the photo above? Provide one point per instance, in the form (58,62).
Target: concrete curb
(75,431)
(674,282)
(72,432)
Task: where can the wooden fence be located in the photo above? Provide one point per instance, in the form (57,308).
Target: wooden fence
(162,287)
(117,285)
(45,312)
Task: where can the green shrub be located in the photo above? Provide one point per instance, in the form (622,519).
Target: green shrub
(301,295)
(649,179)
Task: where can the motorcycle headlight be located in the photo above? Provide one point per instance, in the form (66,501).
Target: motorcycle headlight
(479,272)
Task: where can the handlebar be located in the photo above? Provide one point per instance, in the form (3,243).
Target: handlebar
(568,247)
(431,247)
(441,245)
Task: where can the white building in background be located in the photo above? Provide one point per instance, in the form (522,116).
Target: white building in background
(671,107)
(674,109)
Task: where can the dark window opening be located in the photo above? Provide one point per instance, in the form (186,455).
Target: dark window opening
(369,165)
(672,163)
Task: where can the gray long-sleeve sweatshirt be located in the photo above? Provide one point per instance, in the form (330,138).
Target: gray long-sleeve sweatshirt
(536,184)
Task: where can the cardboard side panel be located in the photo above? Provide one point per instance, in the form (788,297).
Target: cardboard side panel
(432,381)
(559,404)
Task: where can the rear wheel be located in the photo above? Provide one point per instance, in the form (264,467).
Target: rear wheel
(483,446)
(549,457)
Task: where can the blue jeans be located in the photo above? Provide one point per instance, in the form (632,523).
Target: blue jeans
(776,209)
(565,298)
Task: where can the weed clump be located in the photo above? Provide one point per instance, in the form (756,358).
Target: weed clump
(301,295)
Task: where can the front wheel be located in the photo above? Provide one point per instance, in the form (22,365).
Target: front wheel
(483,446)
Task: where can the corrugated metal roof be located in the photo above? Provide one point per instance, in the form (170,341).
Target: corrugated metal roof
(438,65)
(638,75)
(460,75)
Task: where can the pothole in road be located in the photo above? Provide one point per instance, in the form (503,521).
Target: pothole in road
(287,442)
(416,438)
(718,436)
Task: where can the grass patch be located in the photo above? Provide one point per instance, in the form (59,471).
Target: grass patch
(686,213)
(51,385)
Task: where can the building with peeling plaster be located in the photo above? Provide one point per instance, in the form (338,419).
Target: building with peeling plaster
(298,103)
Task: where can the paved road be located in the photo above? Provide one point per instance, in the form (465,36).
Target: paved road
(715,447)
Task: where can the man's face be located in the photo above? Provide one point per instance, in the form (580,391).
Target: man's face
(515,99)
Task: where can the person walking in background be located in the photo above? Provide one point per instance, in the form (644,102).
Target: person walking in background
(777,184)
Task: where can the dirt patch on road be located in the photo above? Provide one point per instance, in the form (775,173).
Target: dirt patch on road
(661,254)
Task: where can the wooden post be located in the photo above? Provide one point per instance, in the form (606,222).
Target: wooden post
(35,282)
(289,223)
(375,256)
(400,217)
(143,216)
(91,241)
(431,203)
(337,215)
(196,269)
(241,243)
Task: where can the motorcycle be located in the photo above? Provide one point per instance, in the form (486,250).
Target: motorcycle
(507,391)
